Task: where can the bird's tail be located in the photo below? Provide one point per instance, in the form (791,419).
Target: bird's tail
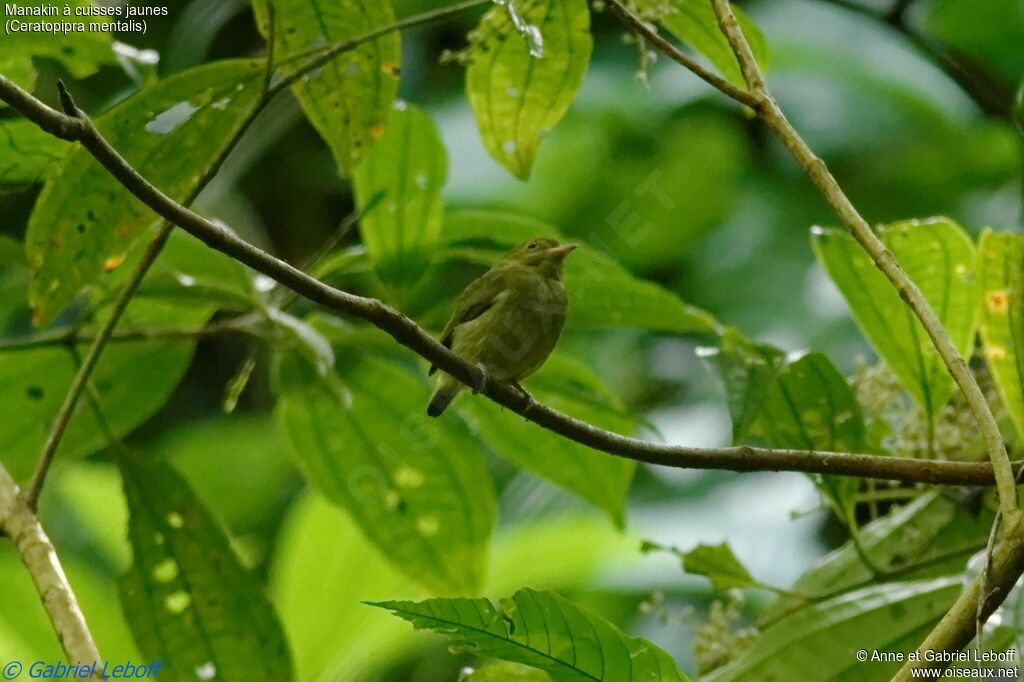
(447,389)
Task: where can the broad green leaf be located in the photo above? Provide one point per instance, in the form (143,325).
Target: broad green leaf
(518,97)
(747,371)
(85,222)
(545,631)
(133,378)
(418,488)
(1001,273)
(718,564)
(409,166)
(26,152)
(939,257)
(694,22)
(188,599)
(819,643)
(601,292)
(503,671)
(348,99)
(332,643)
(571,387)
(81,53)
(930,537)
(811,407)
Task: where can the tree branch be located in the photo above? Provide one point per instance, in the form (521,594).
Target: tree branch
(19,522)
(410,335)
(883,258)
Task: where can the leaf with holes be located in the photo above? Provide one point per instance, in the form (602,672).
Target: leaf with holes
(602,293)
(26,153)
(570,387)
(347,100)
(747,371)
(187,597)
(696,24)
(1001,272)
(418,488)
(811,407)
(939,257)
(81,53)
(815,644)
(85,222)
(719,565)
(407,167)
(543,630)
(518,97)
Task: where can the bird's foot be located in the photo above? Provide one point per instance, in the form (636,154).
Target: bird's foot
(480,379)
(530,403)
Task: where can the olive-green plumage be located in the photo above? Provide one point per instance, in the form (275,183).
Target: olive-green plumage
(508,320)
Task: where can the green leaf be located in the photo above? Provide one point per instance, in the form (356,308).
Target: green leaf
(602,293)
(719,564)
(81,53)
(818,643)
(188,599)
(503,671)
(939,257)
(348,99)
(418,488)
(85,222)
(408,166)
(694,22)
(747,370)
(571,387)
(518,98)
(811,407)
(1001,273)
(133,378)
(332,643)
(545,631)
(26,152)
(930,537)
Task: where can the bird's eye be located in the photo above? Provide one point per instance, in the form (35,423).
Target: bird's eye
(532,245)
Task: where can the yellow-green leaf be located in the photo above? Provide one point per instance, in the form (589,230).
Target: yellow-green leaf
(518,97)
(418,488)
(407,168)
(694,22)
(1001,272)
(85,222)
(571,387)
(26,152)
(187,597)
(546,631)
(347,100)
(939,257)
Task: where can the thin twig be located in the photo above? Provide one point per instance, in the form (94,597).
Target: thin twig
(883,258)
(410,335)
(19,522)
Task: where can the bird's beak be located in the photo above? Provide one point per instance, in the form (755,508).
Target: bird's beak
(562,251)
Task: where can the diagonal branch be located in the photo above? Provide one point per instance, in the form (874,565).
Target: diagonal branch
(81,129)
(20,523)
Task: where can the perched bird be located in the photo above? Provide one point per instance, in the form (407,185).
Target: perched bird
(508,320)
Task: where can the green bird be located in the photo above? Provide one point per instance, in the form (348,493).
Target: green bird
(508,320)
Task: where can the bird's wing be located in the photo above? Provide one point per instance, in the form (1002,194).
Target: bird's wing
(477,299)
